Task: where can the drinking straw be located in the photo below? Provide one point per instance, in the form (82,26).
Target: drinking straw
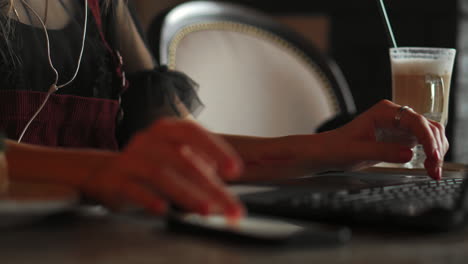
(383,12)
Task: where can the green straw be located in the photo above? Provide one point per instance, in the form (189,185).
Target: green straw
(383,12)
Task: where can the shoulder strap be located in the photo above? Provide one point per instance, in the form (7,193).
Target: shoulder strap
(96,12)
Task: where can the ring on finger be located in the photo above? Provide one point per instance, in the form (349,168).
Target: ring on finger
(399,114)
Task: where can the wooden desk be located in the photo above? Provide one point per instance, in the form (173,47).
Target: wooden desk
(103,239)
(94,236)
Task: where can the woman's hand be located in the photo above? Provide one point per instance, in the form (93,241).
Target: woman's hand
(356,145)
(172,161)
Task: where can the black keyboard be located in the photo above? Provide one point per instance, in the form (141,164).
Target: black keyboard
(427,205)
(405,199)
(398,199)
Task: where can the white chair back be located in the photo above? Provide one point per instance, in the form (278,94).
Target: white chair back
(252,81)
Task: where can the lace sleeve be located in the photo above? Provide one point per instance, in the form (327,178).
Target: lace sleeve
(155,94)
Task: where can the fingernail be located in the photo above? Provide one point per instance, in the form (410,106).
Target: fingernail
(405,154)
(204,208)
(232,168)
(185,150)
(439,173)
(436,173)
(235,212)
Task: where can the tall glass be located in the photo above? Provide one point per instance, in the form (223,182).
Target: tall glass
(421,80)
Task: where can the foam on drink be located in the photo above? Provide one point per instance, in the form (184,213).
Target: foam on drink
(421,66)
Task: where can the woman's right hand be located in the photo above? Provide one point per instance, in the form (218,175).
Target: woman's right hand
(356,145)
(172,161)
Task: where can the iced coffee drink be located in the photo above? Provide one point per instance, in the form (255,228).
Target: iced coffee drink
(421,80)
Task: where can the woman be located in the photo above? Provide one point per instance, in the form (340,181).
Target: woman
(75,116)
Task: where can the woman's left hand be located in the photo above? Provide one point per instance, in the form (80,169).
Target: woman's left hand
(356,145)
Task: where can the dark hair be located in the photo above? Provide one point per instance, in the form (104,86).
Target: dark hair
(6,30)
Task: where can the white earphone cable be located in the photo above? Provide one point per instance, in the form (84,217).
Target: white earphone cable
(54,87)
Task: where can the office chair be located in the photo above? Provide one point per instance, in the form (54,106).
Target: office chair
(256,76)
